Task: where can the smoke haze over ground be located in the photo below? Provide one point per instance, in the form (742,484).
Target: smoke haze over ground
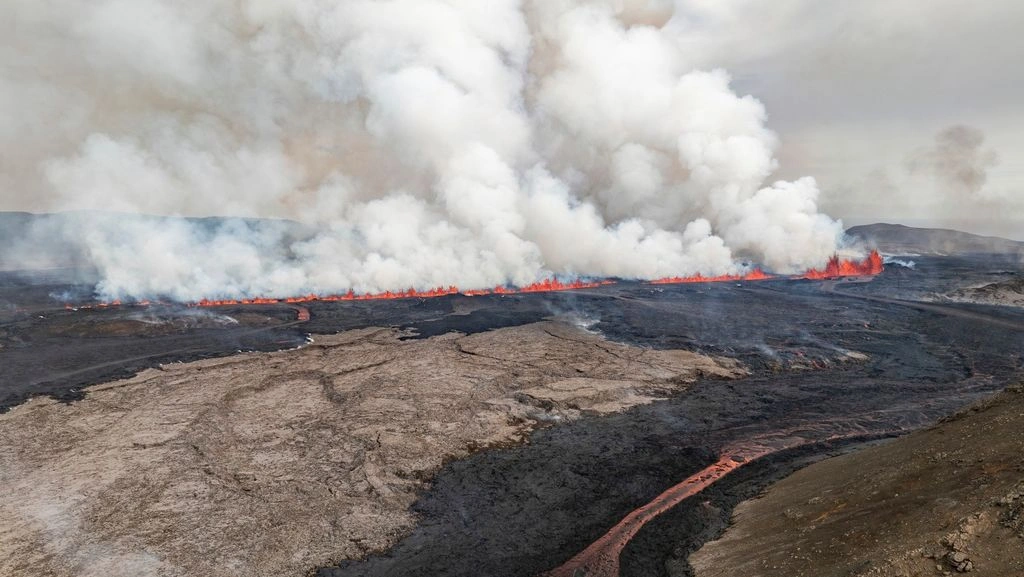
(418,143)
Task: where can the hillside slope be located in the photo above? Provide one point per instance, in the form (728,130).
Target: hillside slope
(899,239)
(940,501)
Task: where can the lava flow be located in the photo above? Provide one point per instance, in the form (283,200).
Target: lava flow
(349,296)
(835,268)
(756,274)
(549,285)
(545,286)
(601,558)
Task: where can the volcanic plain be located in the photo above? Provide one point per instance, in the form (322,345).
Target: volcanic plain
(500,435)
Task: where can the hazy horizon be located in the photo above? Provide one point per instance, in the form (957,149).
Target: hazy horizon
(847,222)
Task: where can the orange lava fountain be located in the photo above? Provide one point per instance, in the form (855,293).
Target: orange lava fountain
(871,266)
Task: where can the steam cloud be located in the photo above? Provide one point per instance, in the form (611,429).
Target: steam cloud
(418,143)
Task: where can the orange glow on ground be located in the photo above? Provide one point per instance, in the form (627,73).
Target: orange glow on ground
(835,268)
(756,274)
(601,558)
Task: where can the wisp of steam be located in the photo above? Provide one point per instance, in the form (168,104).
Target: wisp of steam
(398,144)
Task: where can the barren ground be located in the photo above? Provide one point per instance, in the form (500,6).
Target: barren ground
(307,460)
(1007,293)
(273,464)
(944,500)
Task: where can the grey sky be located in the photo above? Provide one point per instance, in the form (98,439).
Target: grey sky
(856,89)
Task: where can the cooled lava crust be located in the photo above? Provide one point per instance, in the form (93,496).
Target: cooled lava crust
(826,358)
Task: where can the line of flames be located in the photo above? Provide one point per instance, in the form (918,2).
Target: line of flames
(836,268)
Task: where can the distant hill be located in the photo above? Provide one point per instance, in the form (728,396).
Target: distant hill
(899,239)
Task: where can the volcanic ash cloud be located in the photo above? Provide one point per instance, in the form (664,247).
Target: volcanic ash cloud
(410,143)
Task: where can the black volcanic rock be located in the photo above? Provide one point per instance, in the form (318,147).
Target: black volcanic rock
(935,502)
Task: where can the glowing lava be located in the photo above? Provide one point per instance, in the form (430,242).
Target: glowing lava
(756,274)
(550,285)
(349,296)
(835,268)
(546,286)
(601,558)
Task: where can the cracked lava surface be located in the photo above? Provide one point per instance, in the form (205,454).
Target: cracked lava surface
(278,462)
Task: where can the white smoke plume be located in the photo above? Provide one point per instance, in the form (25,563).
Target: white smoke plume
(417,143)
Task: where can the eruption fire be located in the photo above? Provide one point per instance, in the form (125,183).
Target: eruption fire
(756,274)
(836,268)
(550,285)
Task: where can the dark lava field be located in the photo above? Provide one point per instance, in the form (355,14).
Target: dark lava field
(834,365)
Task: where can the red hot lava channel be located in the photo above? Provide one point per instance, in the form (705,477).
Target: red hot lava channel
(836,268)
